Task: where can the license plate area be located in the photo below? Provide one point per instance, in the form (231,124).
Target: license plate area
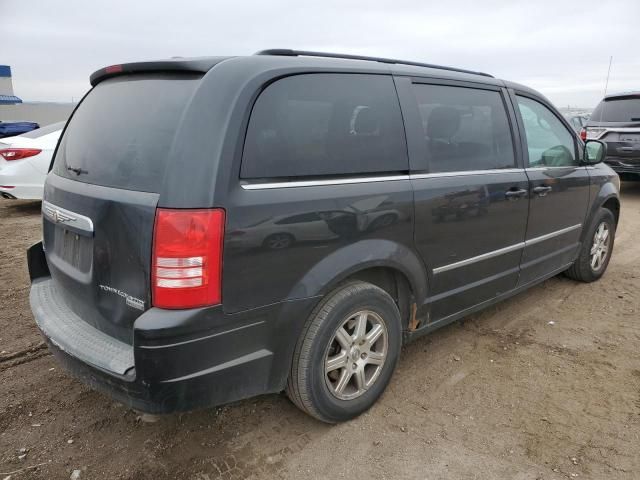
(629,137)
(73,248)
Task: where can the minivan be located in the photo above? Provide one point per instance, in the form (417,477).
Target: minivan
(219,228)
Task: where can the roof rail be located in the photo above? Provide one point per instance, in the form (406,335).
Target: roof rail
(304,53)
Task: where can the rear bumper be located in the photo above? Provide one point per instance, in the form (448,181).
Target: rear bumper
(25,181)
(179,359)
(21,192)
(624,165)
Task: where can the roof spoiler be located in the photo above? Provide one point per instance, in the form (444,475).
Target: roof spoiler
(622,96)
(194,65)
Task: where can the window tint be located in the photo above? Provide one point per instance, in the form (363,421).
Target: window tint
(325,124)
(464,128)
(122,132)
(549,142)
(619,109)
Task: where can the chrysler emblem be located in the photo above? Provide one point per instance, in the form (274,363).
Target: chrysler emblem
(57,216)
(60,215)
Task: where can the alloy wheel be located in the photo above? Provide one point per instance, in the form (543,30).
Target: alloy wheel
(600,247)
(356,355)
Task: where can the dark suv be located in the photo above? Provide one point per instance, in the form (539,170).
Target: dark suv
(217,228)
(616,121)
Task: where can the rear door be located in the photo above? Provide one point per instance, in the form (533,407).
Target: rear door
(100,198)
(471,193)
(559,190)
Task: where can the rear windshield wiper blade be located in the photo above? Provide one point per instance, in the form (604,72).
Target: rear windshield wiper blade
(77,170)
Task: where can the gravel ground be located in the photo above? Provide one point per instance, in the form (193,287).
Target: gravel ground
(500,395)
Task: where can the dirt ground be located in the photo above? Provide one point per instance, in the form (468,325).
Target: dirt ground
(501,395)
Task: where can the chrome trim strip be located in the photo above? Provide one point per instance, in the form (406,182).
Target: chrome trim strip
(385,178)
(502,251)
(542,238)
(318,183)
(66,217)
(465,173)
(622,129)
(552,167)
(606,130)
(484,256)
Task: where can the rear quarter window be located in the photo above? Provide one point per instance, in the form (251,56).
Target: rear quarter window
(122,132)
(325,124)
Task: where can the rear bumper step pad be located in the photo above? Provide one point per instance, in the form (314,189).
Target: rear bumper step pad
(73,335)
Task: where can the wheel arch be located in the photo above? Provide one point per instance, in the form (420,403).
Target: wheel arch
(613,203)
(607,197)
(391,266)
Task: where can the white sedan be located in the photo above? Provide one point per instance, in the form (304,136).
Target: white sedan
(24,162)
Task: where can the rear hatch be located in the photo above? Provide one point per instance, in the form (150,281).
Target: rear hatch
(616,121)
(100,199)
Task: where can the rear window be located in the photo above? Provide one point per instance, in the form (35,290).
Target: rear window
(617,110)
(325,124)
(41,132)
(122,132)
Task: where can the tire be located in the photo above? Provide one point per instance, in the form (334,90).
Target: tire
(321,394)
(583,269)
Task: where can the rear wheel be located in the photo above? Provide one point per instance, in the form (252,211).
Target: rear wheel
(595,252)
(347,353)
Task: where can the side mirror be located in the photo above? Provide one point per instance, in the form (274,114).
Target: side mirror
(594,151)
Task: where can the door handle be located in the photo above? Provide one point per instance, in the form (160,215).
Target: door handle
(542,190)
(515,193)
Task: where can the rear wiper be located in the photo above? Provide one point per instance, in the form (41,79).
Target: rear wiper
(77,170)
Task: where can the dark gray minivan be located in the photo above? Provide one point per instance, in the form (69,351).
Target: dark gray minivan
(218,228)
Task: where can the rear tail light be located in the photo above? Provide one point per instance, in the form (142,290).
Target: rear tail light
(583,134)
(594,132)
(187,258)
(19,153)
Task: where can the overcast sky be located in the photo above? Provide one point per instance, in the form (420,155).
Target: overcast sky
(560,48)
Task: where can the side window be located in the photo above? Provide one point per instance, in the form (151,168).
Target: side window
(464,128)
(549,142)
(325,124)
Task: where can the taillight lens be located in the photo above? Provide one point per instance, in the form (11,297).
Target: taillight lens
(583,134)
(18,153)
(186,270)
(594,132)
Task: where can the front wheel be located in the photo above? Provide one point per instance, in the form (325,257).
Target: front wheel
(347,353)
(595,252)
